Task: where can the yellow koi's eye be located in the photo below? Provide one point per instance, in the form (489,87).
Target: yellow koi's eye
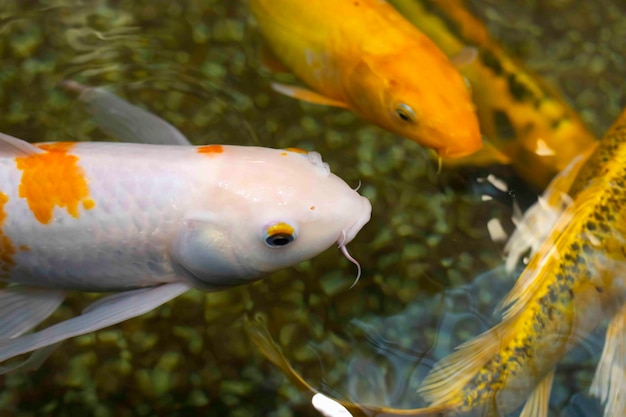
(406,113)
(278,235)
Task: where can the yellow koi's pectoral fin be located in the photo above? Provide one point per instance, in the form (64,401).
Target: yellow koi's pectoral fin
(444,384)
(11,147)
(537,404)
(307,95)
(609,381)
(487,155)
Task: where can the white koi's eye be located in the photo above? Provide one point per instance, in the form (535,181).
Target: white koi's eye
(280,234)
(406,113)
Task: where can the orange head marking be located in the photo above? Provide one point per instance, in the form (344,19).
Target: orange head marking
(7,250)
(211,149)
(297,150)
(53,178)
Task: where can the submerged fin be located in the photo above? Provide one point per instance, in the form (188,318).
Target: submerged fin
(609,381)
(487,155)
(13,147)
(104,312)
(125,121)
(260,336)
(537,404)
(23,308)
(307,95)
(464,57)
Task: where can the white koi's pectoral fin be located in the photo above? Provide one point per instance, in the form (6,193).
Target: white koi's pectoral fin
(537,404)
(125,121)
(23,308)
(11,147)
(105,312)
(307,95)
(609,381)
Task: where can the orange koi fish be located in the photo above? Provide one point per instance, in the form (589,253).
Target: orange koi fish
(364,56)
(575,281)
(525,122)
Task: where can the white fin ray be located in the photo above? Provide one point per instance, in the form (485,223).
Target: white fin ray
(23,308)
(125,121)
(108,311)
(537,403)
(13,147)
(609,381)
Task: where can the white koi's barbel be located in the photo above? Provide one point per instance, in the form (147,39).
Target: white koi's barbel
(152,221)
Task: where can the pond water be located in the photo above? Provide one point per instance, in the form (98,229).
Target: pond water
(432,275)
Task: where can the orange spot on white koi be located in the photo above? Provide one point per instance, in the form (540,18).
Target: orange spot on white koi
(211,149)
(297,150)
(53,179)
(7,250)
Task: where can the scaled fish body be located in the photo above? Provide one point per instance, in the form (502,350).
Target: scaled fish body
(152,221)
(366,57)
(525,122)
(575,281)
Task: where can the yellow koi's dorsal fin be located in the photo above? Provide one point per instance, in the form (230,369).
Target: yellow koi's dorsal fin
(13,147)
(537,404)
(609,381)
(307,95)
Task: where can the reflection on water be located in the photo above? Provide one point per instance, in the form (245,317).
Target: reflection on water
(423,290)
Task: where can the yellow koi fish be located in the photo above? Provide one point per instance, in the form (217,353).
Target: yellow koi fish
(575,281)
(364,56)
(524,121)
(150,222)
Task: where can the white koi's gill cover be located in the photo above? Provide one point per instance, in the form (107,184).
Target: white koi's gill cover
(151,221)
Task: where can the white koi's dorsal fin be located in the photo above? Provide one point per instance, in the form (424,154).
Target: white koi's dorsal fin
(609,381)
(11,147)
(307,95)
(443,385)
(537,404)
(125,121)
(103,313)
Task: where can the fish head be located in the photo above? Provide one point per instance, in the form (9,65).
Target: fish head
(431,106)
(271,209)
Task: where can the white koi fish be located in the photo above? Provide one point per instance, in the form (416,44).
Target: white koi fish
(149,222)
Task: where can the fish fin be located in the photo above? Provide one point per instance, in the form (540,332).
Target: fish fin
(609,381)
(125,121)
(31,363)
(259,334)
(106,312)
(537,403)
(307,95)
(487,155)
(271,61)
(23,308)
(13,147)
(533,228)
(464,57)
(446,380)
